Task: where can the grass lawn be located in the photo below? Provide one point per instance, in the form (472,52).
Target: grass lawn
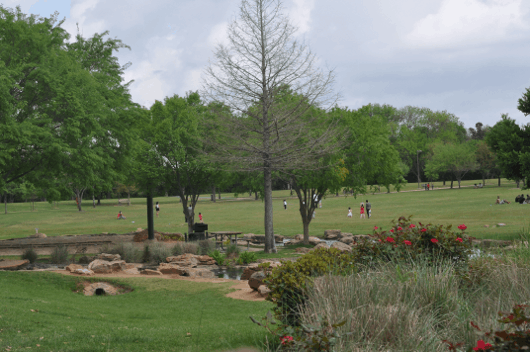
(474,207)
(39,308)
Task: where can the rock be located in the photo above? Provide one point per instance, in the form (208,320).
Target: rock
(256,280)
(346,234)
(13,264)
(170,269)
(39,235)
(184,260)
(494,243)
(279,238)
(168,236)
(292,243)
(263,291)
(104,267)
(102,287)
(73,267)
(302,250)
(314,240)
(299,237)
(205,260)
(341,247)
(501,224)
(347,240)
(332,234)
(108,257)
(83,271)
(322,245)
(261,239)
(254,268)
(204,273)
(150,272)
(131,271)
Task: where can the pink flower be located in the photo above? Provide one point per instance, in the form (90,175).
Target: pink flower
(412,226)
(462,227)
(379,240)
(434,240)
(286,339)
(407,242)
(423,230)
(481,346)
(375,227)
(399,228)
(390,239)
(391,230)
(459,239)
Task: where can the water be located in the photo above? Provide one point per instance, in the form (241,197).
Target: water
(232,274)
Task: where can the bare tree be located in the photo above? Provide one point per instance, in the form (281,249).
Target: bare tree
(263,64)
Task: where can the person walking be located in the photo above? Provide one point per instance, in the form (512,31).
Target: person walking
(200,217)
(157,208)
(362,212)
(349,212)
(368,209)
(284,204)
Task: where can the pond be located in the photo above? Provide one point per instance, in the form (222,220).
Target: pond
(232,274)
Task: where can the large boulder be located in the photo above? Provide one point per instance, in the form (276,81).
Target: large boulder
(142,236)
(108,257)
(263,291)
(341,247)
(73,267)
(104,267)
(261,239)
(332,234)
(185,260)
(254,268)
(170,269)
(205,260)
(361,238)
(13,264)
(314,240)
(256,280)
(299,237)
(292,242)
(83,272)
(348,240)
(321,245)
(198,273)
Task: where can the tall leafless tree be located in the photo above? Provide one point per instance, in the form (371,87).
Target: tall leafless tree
(262,64)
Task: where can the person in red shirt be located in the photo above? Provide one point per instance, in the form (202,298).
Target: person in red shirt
(200,217)
(120,216)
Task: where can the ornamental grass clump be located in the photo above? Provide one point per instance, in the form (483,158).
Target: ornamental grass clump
(410,242)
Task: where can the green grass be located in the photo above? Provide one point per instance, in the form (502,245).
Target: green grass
(474,207)
(156,316)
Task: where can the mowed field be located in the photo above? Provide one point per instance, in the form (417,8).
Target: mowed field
(473,207)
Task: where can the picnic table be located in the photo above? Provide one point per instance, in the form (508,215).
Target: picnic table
(219,235)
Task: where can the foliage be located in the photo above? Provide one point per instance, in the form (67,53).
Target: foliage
(319,337)
(246,258)
(407,242)
(30,255)
(524,103)
(59,255)
(185,247)
(232,250)
(217,256)
(205,247)
(158,252)
(126,250)
(289,281)
(456,159)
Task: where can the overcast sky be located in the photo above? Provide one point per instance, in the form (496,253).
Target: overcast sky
(469,57)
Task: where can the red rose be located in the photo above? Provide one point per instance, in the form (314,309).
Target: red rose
(286,339)
(399,228)
(412,226)
(462,227)
(459,239)
(391,230)
(434,240)
(423,230)
(481,346)
(390,239)
(408,243)
(375,227)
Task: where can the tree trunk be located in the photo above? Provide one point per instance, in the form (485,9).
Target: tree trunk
(93,200)
(256,197)
(517,183)
(213,193)
(219,194)
(270,244)
(128,198)
(99,199)
(483,180)
(305,223)
(5,203)
(451,183)
(499,181)
(458,182)
(150,218)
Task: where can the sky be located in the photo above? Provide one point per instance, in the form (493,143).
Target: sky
(468,57)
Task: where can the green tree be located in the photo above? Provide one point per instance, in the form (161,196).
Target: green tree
(524,103)
(457,159)
(486,161)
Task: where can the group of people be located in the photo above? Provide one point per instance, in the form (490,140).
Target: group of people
(522,200)
(363,211)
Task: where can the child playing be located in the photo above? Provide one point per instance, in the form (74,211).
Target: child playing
(200,217)
(362,212)
(120,216)
(349,212)
(157,207)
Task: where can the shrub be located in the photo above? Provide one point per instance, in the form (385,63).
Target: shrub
(409,242)
(59,254)
(158,253)
(146,254)
(288,282)
(205,247)
(232,250)
(185,247)
(30,255)
(217,256)
(126,250)
(247,258)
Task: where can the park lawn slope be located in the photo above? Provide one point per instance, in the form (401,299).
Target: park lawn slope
(40,308)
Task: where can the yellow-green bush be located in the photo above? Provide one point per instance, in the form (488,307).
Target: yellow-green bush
(288,282)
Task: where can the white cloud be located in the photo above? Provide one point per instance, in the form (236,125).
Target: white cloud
(461,23)
(219,35)
(300,14)
(25,5)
